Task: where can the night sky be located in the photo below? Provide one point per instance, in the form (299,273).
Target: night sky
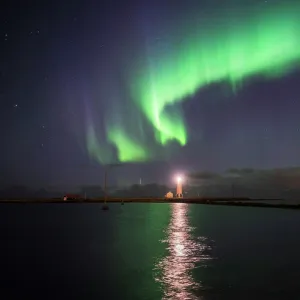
(85,83)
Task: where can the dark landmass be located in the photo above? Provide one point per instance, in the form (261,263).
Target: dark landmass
(206,201)
(149,193)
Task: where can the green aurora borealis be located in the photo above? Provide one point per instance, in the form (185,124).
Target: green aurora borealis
(267,44)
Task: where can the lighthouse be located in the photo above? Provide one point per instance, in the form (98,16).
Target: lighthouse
(179,193)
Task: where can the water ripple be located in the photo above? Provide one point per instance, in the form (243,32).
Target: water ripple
(185,253)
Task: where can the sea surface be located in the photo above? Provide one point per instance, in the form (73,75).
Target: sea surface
(148,251)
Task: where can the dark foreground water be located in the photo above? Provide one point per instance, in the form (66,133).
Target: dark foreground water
(148,251)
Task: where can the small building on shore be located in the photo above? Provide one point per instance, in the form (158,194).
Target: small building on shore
(169,195)
(72,197)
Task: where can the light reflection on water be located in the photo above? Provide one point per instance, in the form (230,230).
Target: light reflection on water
(185,253)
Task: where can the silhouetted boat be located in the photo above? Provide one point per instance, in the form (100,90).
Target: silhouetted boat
(105,207)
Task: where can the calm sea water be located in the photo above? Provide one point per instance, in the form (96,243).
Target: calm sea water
(148,251)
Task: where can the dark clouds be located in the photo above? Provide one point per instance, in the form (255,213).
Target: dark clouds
(247,182)
(239,172)
(204,175)
(289,177)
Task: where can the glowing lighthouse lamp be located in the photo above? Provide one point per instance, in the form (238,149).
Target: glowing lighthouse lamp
(179,181)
